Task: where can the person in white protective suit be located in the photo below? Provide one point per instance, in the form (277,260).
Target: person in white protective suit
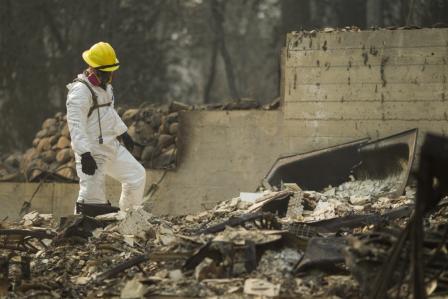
(95,130)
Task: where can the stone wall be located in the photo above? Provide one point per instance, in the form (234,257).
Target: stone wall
(220,154)
(371,83)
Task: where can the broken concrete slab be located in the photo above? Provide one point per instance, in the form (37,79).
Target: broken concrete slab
(137,223)
(239,236)
(261,287)
(323,253)
(133,289)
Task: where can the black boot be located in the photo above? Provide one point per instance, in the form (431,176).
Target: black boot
(95,209)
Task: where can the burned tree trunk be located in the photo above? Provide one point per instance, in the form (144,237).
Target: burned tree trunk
(212,74)
(218,9)
(374,13)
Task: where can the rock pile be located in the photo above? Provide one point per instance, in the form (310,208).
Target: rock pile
(154,132)
(51,152)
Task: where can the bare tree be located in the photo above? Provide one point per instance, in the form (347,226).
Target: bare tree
(212,71)
(374,13)
(218,14)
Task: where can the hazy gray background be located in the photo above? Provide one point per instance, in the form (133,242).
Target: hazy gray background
(194,51)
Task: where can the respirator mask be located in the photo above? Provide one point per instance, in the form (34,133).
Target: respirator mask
(98,78)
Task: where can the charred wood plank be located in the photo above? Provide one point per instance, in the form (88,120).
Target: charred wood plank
(250,256)
(4,268)
(4,276)
(135,261)
(353,221)
(19,239)
(267,219)
(198,257)
(38,234)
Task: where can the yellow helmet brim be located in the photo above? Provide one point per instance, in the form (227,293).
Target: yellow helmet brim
(90,62)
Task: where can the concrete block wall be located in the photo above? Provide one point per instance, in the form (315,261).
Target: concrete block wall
(370,83)
(52,198)
(221,154)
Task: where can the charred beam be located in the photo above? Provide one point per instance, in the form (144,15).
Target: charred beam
(267,218)
(135,261)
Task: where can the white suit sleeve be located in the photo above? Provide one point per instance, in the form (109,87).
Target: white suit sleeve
(79,101)
(120,127)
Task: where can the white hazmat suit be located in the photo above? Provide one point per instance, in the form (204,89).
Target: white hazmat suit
(111,157)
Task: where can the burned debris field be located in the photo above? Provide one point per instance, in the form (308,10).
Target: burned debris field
(224,149)
(351,240)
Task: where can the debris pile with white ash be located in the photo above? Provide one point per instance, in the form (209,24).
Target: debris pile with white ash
(260,245)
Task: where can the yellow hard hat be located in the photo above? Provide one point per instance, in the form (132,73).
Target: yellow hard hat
(101,56)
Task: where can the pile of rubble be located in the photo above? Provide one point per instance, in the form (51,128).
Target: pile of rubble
(258,244)
(154,130)
(354,196)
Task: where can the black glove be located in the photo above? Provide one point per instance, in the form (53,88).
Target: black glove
(127,141)
(88,164)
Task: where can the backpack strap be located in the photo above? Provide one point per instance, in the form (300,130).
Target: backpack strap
(94,97)
(95,106)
